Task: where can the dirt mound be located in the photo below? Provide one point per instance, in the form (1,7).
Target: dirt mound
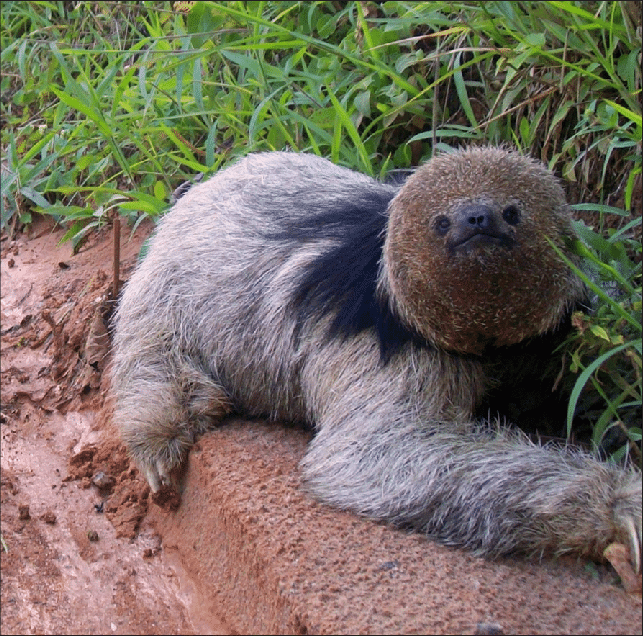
(89,550)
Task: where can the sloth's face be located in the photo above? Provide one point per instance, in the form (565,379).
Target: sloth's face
(478,225)
(467,257)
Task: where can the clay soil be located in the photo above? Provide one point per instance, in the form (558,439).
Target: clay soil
(86,548)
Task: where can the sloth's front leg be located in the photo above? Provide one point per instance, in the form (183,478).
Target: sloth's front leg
(488,489)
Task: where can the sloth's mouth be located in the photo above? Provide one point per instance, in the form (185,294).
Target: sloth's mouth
(481,239)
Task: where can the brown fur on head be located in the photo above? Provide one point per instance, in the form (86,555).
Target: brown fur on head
(466,260)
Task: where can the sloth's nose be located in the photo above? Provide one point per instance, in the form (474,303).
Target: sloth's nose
(476,217)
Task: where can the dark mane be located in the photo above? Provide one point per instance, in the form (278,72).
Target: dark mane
(342,281)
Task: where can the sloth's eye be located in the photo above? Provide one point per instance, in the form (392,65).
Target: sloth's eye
(511,214)
(442,224)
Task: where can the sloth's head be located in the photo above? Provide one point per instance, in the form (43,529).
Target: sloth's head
(466,261)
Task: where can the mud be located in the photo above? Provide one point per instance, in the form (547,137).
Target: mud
(88,550)
(78,558)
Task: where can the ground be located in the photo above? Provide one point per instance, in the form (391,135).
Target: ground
(87,549)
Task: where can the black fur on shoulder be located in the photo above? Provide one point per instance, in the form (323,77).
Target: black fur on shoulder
(343,280)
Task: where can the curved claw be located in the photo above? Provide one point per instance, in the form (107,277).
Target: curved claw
(157,474)
(634,536)
(629,515)
(153,479)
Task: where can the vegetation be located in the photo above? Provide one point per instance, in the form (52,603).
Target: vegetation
(108,106)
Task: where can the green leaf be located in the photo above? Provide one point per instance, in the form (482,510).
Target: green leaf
(159,191)
(201,22)
(84,108)
(34,197)
(343,120)
(600,332)
(626,112)
(584,377)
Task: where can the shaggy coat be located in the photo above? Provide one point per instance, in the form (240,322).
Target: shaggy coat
(387,317)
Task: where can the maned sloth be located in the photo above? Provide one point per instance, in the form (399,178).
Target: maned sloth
(387,317)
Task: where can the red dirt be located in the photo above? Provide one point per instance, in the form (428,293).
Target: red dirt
(246,551)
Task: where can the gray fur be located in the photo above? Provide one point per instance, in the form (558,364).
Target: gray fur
(205,327)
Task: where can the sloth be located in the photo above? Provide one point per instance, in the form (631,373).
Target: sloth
(391,319)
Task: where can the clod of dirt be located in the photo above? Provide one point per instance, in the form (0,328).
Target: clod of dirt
(103,481)
(23,512)
(97,344)
(167,498)
(48,517)
(80,464)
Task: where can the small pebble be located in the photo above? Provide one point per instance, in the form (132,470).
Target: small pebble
(102,481)
(489,629)
(49,517)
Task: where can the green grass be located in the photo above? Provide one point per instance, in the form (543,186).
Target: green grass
(107,107)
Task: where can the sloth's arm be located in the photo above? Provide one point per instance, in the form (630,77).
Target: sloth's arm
(490,490)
